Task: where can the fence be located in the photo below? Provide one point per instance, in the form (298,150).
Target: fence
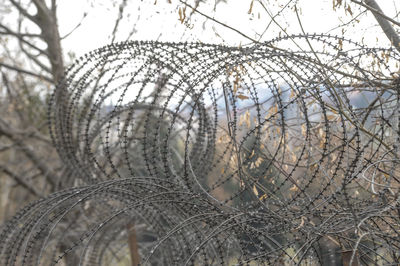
(284,152)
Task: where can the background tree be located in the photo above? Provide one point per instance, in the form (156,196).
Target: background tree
(29,72)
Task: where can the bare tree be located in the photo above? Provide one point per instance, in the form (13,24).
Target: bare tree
(27,73)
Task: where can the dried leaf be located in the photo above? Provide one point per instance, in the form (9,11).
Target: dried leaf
(330,117)
(294,188)
(311,103)
(252,154)
(278,130)
(292,94)
(247,119)
(273,109)
(321,144)
(255,191)
(258,162)
(236,84)
(242,97)
(180,15)
(301,223)
(349,10)
(237,79)
(340,47)
(263,197)
(294,157)
(321,132)
(303,130)
(251,7)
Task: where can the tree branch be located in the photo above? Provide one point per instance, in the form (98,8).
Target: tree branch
(218,22)
(27,72)
(47,22)
(47,173)
(383,21)
(40,6)
(20,36)
(23,11)
(54,6)
(34,59)
(120,15)
(30,132)
(20,181)
(377,11)
(76,27)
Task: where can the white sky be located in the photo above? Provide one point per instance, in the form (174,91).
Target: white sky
(160,21)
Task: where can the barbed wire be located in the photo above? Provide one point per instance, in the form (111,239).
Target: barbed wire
(284,152)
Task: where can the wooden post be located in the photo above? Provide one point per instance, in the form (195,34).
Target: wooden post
(346,256)
(133,246)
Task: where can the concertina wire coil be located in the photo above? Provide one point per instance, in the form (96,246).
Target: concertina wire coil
(221,155)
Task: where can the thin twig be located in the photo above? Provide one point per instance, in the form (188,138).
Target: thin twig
(21,181)
(219,22)
(27,72)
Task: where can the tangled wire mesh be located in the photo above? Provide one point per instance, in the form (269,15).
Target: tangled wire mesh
(212,155)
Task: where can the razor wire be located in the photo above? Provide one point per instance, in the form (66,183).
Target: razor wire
(284,152)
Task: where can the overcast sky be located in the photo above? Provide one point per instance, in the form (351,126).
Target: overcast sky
(159,20)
